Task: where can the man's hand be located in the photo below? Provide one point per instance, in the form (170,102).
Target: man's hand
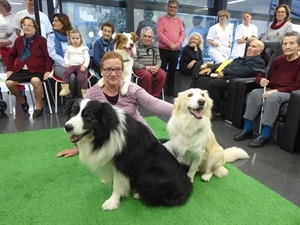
(173,47)
(206,71)
(220,75)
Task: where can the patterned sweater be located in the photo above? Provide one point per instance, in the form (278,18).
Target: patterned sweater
(142,59)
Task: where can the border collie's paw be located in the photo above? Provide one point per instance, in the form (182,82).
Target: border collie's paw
(136,195)
(110,204)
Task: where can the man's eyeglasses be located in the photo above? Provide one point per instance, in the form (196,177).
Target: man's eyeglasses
(110,70)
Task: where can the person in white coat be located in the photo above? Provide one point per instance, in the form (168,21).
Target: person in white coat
(219,38)
(245,32)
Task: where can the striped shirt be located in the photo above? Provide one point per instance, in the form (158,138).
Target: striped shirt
(142,59)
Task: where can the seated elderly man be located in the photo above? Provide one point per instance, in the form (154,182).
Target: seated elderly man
(240,67)
(147,64)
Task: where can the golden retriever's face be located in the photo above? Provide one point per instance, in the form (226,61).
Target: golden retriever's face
(125,40)
(194,101)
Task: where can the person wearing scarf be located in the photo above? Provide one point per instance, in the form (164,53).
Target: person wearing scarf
(280,25)
(29,61)
(57,43)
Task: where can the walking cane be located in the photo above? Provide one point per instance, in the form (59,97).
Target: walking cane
(266,73)
(153,54)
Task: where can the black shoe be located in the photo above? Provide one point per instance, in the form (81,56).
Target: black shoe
(37,113)
(258,142)
(25,105)
(243,135)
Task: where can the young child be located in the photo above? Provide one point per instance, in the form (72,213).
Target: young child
(77,59)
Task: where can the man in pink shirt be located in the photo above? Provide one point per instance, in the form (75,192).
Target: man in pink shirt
(170,34)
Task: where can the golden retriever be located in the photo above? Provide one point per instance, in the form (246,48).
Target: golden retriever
(125,46)
(192,140)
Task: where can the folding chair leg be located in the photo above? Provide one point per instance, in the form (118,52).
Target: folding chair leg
(56,102)
(47,96)
(10,103)
(32,99)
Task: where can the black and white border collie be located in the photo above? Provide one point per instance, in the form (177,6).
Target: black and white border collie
(126,155)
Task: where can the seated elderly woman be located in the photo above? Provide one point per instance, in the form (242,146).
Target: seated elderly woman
(191,57)
(28,61)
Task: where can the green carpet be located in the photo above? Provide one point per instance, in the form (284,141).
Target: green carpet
(38,188)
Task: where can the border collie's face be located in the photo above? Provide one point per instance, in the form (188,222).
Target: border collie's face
(85,117)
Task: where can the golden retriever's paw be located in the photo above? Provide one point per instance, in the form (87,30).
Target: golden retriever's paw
(110,204)
(191,176)
(101,82)
(124,89)
(221,172)
(206,177)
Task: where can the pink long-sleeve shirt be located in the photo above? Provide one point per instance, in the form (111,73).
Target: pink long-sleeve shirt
(169,31)
(135,97)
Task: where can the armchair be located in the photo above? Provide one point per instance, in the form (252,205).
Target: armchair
(286,130)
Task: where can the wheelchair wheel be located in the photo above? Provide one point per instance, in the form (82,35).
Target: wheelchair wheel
(3,106)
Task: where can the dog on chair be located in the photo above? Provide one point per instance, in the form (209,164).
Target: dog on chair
(125,46)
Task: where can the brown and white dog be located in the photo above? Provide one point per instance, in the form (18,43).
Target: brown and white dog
(125,46)
(192,140)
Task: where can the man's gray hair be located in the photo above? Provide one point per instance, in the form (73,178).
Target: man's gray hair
(147,29)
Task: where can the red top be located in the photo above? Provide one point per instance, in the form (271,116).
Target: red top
(38,61)
(169,30)
(284,75)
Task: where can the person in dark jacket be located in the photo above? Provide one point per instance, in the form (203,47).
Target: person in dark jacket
(103,45)
(239,67)
(191,57)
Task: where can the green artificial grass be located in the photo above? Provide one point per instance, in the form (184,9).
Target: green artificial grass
(38,188)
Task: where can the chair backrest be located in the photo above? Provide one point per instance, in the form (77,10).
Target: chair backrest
(267,55)
(272,50)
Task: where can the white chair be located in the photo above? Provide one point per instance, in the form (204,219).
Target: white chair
(135,79)
(31,95)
